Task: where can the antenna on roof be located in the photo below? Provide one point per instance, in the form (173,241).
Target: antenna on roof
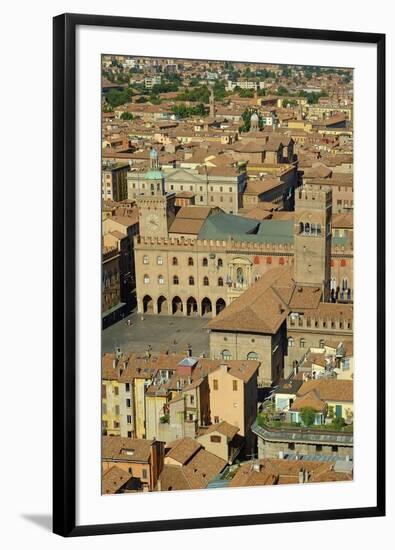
(254,464)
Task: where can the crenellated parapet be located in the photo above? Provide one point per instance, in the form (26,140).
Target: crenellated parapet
(311,322)
(342,250)
(311,197)
(212,245)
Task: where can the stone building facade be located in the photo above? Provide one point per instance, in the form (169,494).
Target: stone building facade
(114,181)
(280,443)
(211,186)
(200,276)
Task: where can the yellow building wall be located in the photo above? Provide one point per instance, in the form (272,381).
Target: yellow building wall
(226,403)
(347,408)
(111,401)
(139,407)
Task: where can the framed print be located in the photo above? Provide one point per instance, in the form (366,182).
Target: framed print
(219,275)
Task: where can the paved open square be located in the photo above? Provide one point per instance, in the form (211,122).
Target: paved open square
(162,333)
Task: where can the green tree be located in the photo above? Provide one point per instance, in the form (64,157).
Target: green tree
(154,99)
(338,422)
(281,90)
(201,94)
(118,97)
(194,81)
(126,116)
(313,97)
(182,111)
(247,72)
(307,415)
(246,93)
(219,90)
(164,87)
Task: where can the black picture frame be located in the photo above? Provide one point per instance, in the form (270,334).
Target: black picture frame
(64,272)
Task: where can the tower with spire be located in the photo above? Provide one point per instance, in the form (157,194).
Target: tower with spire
(212,104)
(156,207)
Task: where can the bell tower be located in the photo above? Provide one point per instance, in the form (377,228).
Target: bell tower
(212,104)
(254,123)
(312,238)
(156,207)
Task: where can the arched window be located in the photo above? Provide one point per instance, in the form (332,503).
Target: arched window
(191,281)
(174,261)
(301,227)
(302,343)
(161,280)
(307,228)
(252,356)
(344,283)
(226,355)
(318,229)
(205,262)
(190,261)
(291,342)
(313,229)
(240,276)
(205,281)
(220,263)
(146,279)
(175,280)
(159,260)
(220,281)
(145,260)
(322,343)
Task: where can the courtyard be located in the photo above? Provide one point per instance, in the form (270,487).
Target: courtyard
(160,333)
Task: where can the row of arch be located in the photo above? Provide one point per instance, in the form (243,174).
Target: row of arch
(343,284)
(189,307)
(227,355)
(310,228)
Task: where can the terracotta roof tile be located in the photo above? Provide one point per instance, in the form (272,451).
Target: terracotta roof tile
(183,449)
(114,479)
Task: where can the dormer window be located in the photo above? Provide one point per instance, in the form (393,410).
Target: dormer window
(129,452)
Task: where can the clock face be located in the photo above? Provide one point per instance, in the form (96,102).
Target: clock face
(153,222)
